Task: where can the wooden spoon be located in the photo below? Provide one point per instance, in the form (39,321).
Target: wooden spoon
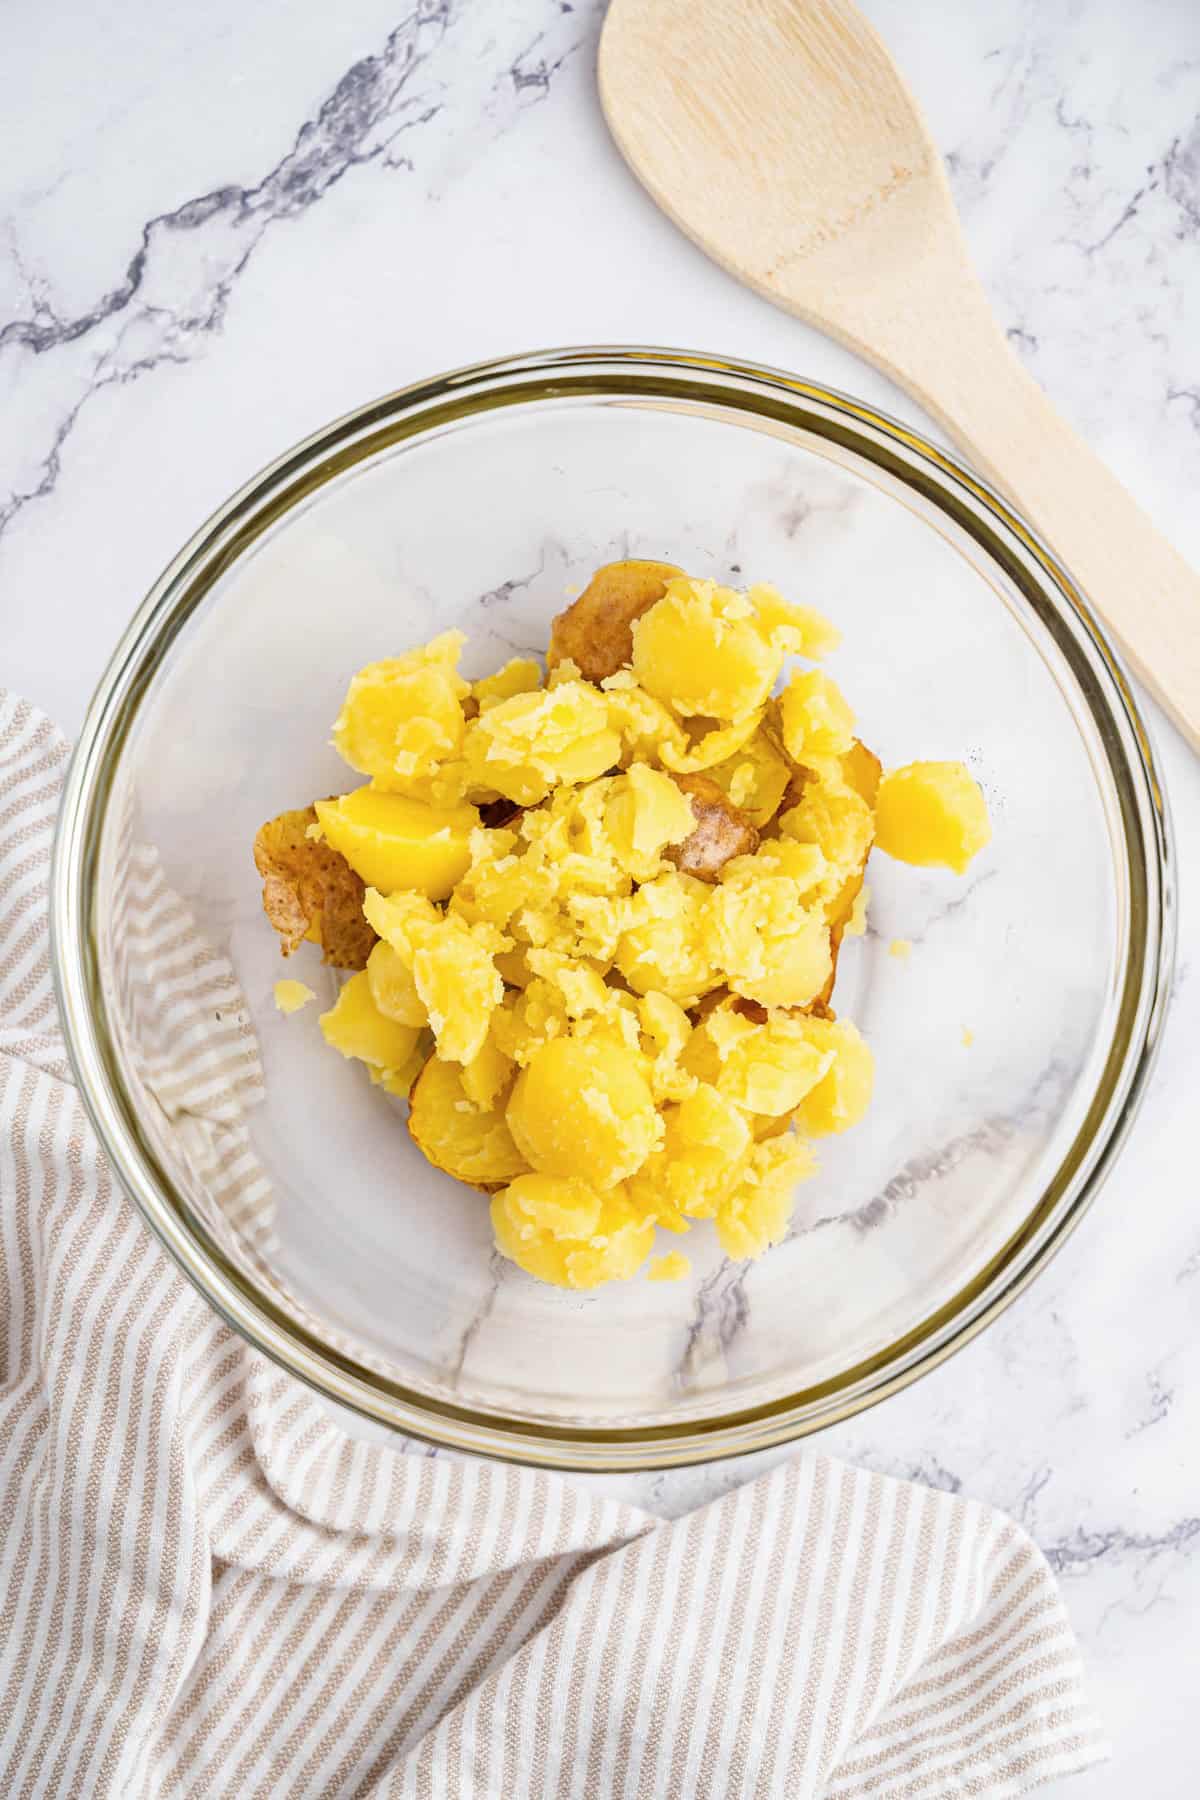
(779,135)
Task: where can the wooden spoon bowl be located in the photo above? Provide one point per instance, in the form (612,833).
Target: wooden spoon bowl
(779,135)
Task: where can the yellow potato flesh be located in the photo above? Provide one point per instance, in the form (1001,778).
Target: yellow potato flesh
(393,842)
(404,715)
(585,1108)
(564,1231)
(815,718)
(842,1095)
(454,976)
(355,1026)
(471,1142)
(701,650)
(290,996)
(392,987)
(932,814)
(755,777)
(672,1267)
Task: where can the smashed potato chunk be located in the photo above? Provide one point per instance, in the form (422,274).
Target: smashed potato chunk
(403,715)
(932,814)
(355,1026)
(520,675)
(394,988)
(756,1212)
(755,777)
(393,842)
(466,1140)
(595,632)
(595,917)
(701,650)
(762,1065)
(310,891)
(841,1097)
(814,717)
(646,817)
(451,962)
(582,1104)
(771,949)
(526,745)
(666,944)
(564,1231)
(835,819)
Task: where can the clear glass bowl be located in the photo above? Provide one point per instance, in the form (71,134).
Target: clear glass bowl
(1012,1045)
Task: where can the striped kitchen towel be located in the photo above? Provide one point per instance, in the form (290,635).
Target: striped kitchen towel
(207,1587)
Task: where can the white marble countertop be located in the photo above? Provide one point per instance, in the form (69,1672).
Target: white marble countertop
(221,226)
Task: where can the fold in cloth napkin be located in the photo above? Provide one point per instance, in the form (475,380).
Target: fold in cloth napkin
(207,1587)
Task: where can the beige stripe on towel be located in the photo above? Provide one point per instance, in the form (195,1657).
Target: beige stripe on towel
(208,1588)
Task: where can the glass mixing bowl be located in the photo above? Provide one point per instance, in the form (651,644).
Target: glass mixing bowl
(1012,1045)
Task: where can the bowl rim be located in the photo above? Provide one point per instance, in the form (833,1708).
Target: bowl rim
(744,388)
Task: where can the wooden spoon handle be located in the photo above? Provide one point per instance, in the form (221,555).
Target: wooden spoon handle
(954,360)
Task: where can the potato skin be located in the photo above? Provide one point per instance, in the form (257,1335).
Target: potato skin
(722,830)
(310,891)
(596,631)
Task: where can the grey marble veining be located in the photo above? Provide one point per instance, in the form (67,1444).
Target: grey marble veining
(221,226)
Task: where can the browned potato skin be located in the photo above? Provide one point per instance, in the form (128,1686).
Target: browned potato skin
(310,891)
(722,830)
(596,631)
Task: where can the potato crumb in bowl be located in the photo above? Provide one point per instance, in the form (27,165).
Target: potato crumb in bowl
(290,996)
(594,919)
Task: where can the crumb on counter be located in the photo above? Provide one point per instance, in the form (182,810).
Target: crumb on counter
(674,1266)
(290,996)
(968,1037)
(900,948)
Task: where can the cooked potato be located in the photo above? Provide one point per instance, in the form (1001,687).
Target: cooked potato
(862,769)
(396,843)
(469,1142)
(311,892)
(610,907)
(932,814)
(843,1094)
(596,631)
(560,1229)
(703,651)
(583,1104)
(756,777)
(722,830)
(355,1027)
